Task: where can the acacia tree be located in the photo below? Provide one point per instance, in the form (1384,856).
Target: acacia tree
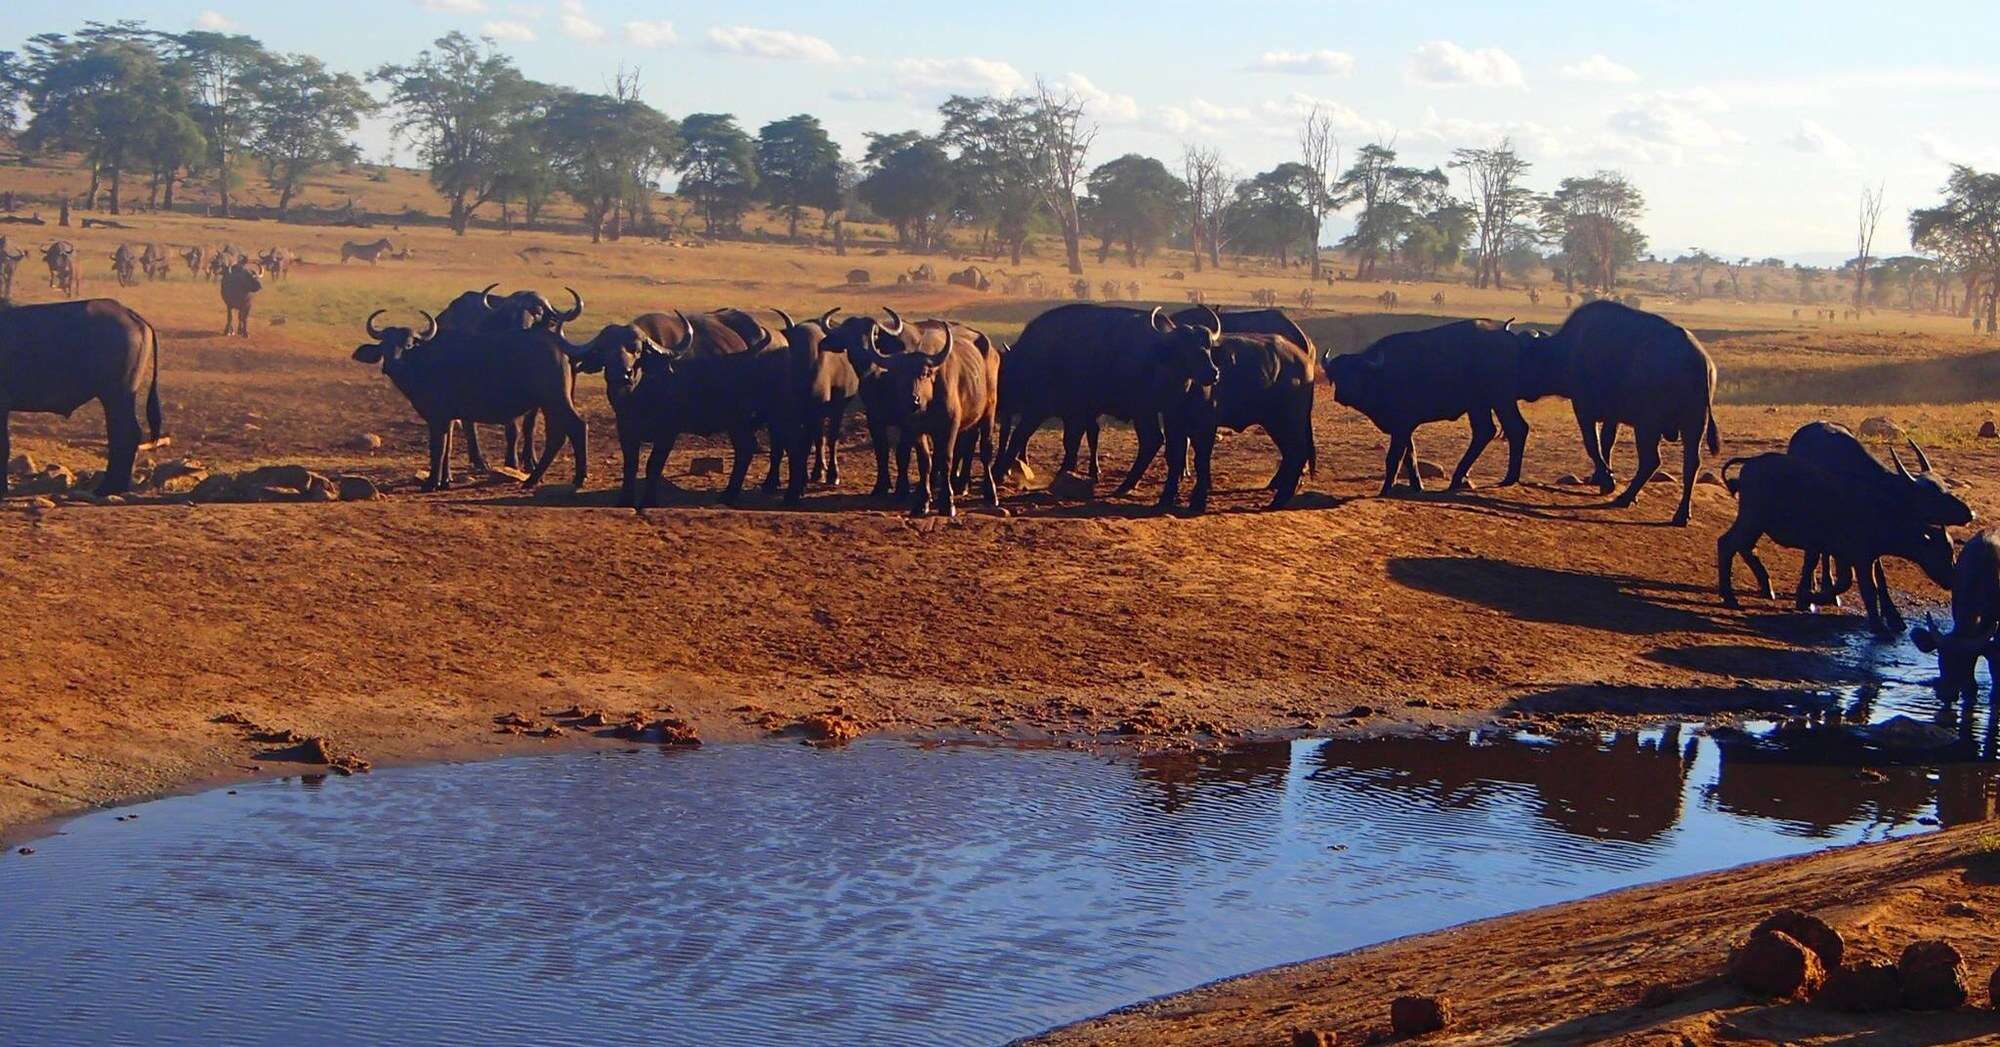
(798,166)
(718,168)
(994,170)
(1389,194)
(909,180)
(301,121)
(1965,229)
(222,69)
(1500,204)
(459,103)
(1268,212)
(103,93)
(1595,219)
(1060,140)
(1133,201)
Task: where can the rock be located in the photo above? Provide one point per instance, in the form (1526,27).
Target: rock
(1963,909)
(1878,427)
(41,504)
(1417,1015)
(1709,477)
(365,442)
(357,489)
(1659,994)
(1863,988)
(1988,430)
(1315,1038)
(178,476)
(1776,964)
(830,728)
(1810,931)
(1430,470)
(270,483)
(1664,477)
(23,464)
(1933,974)
(52,479)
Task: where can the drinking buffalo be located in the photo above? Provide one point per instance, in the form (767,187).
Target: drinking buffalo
(1474,369)
(1804,506)
(1922,494)
(1266,380)
(819,385)
(938,397)
(1975,621)
(1079,362)
(55,358)
(1621,366)
(481,377)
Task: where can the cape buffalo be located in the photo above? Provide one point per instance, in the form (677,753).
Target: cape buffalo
(1803,506)
(9,261)
(668,375)
(1975,621)
(370,253)
(938,396)
(1266,380)
(64,273)
(820,386)
(54,358)
(239,285)
(1079,362)
(482,311)
(278,262)
(1474,369)
(125,263)
(196,259)
(1923,495)
(1257,321)
(862,338)
(482,377)
(155,262)
(1621,366)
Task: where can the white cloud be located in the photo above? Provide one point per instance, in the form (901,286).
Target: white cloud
(1103,105)
(1663,126)
(967,75)
(1202,116)
(651,34)
(503,30)
(1305,63)
(779,44)
(1531,137)
(1441,63)
(1282,117)
(1818,141)
(1597,69)
(214,20)
(1943,150)
(454,7)
(577,25)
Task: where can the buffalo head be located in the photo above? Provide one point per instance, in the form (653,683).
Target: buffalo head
(392,342)
(1188,350)
(618,351)
(1929,498)
(866,340)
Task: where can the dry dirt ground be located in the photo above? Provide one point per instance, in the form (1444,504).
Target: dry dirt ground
(401,628)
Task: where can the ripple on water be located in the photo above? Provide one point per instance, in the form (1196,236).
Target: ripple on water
(883,893)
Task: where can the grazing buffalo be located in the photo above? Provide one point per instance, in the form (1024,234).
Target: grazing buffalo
(239,285)
(481,311)
(820,385)
(125,264)
(482,377)
(64,273)
(1266,380)
(155,262)
(1804,506)
(55,358)
(1923,495)
(940,397)
(1975,621)
(674,374)
(1621,366)
(370,253)
(1257,321)
(862,338)
(1474,369)
(1079,362)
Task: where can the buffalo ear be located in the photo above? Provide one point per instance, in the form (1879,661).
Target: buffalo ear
(369,354)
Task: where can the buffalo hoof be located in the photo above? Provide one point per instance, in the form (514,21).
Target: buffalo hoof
(1624,501)
(921,511)
(1509,481)
(1730,601)
(1680,519)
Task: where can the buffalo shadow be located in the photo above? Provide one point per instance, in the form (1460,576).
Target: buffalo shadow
(1610,602)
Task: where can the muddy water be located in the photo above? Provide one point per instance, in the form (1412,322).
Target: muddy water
(884,893)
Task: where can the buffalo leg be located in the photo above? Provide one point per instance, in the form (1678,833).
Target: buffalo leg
(1176,448)
(1399,445)
(1482,434)
(243,320)
(743,448)
(438,446)
(579,441)
(832,441)
(472,454)
(1738,541)
(1293,455)
(905,443)
(1648,442)
(121,432)
(1073,431)
(961,462)
(777,454)
(656,465)
(1147,427)
(1410,470)
(986,441)
(795,454)
(515,454)
(6,452)
(920,503)
(628,447)
(1871,598)
(549,449)
(1892,617)
(1690,466)
(1515,428)
(878,435)
(1090,435)
(1600,473)
(947,475)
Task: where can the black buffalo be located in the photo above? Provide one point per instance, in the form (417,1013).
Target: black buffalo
(1266,380)
(1474,369)
(1080,362)
(483,311)
(820,385)
(1803,506)
(860,339)
(1975,620)
(55,358)
(1923,495)
(1621,366)
(1255,321)
(482,377)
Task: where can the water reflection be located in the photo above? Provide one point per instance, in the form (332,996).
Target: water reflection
(883,894)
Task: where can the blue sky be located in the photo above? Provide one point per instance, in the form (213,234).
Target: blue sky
(1751,126)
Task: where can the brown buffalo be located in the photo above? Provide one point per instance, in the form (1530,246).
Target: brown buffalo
(239,286)
(939,397)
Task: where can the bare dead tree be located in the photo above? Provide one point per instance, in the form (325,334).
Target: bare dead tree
(1201,167)
(1061,141)
(1864,235)
(1499,202)
(1319,152)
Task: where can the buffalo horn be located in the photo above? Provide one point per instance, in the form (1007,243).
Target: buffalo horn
(687,336)
(1901,469)
(785,316)
(576,310)
(893,315)
(431,330)
(372,332)
(486,296)
(1923,460)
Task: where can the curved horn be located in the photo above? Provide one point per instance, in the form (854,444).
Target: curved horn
(1217,317)
(1923,460)
(430,331)
(687,336)
(785,316)
(826,318)
(486,296)
(372,332)
(1509,325)
(893,315)
(763,341)
(575,310)
(1155,318)
(1901,469)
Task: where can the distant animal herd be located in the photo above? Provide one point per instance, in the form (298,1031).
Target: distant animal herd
(952,396)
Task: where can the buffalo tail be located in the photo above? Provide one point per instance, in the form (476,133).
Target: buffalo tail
(1733,483)
(153,419)
(1714,434)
